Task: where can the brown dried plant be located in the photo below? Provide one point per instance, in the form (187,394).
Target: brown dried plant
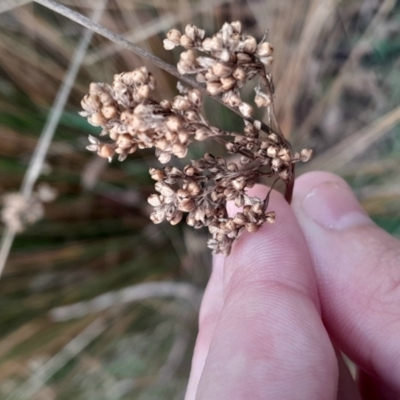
(133,120)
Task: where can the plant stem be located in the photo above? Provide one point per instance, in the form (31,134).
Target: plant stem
(290,185)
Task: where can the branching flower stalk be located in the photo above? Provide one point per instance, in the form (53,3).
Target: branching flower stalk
(134,120)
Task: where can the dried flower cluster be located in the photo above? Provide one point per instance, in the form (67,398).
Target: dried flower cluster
(234,58)
(133,119)
(19,211)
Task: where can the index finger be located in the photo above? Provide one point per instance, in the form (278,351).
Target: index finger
(269,341)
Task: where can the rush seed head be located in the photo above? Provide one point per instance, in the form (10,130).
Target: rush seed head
(133,119)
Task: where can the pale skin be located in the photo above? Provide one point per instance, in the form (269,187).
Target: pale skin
(278,310)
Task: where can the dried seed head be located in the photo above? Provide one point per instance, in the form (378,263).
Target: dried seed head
(239,201)
(227,83)
(230,193)
(154,200)
(240,219)
(194,97)
(225,55)
(232,167)
(262,100)
(187,205)
(256,208)
(239,73)
(157,216)
(273,137)
(243,58)
(246,110)
(239,183)
(171,136)
(179,150)
(251,227)
(105,151)
(192,116)
(272,151)
(270,217)
(188,56)
(183,137)
(180,103)
(164,189)
(157,174)
(143,91)
(244,160)
(221,70)
(189,170)
(177,217)
(231,99)
(250,45)
(236,26)
(169,44)
(174,36)
(231,147)
(182,194)
(266,61)
(306,154)
(207,45)
(186,42)
(109,112)
(284,174)
(264,49)
(174,123)
(164,157)
(97,119)
(19,211)
(193,188)
(201,133)
(276,163)
(133,120)
(165,104)
(214,88)
(284,154)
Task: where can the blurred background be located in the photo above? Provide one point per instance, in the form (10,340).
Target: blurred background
(96,302)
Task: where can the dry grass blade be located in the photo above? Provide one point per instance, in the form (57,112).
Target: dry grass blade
(336,88)
(289,68)
(355,144)
(39,155)
(8,5)
(147,30)
(91,25)
(20,335)
(127,295)
(36,163)
(5,247)
(71,350)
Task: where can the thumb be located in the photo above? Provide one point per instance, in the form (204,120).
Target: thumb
(357,266)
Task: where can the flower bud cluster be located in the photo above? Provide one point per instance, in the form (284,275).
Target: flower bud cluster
(267,152)
(134,120)
(202,190)
(233,59)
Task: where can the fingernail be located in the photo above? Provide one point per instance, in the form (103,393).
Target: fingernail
(333,206)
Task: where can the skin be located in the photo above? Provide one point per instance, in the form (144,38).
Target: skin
(282,307)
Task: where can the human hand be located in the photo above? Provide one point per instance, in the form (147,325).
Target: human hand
(323,277)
